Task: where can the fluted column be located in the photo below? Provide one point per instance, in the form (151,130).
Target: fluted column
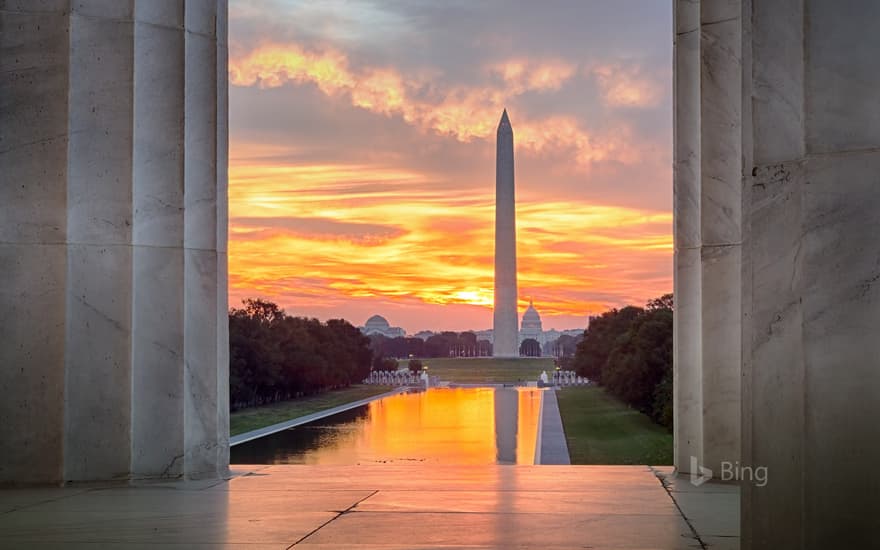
(34,82)
(812,368)
(687,346)
(114,132)
(708,197)
(788,109)
(158,347)
(720,228)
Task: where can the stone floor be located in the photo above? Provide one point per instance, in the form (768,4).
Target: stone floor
(385,506)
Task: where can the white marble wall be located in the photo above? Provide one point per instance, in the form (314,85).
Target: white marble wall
(113,121)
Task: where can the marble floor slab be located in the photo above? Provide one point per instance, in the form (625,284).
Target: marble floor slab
(382,507)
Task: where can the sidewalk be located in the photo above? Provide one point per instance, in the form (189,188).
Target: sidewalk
(551,436)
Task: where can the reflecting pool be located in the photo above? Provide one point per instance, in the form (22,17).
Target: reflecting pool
(440,426)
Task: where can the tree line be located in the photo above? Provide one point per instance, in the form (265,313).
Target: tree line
(629,352)
(460,344)
(274,356)
(444,344)
(564,346)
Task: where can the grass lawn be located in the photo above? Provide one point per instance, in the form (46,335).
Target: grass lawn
(602,430)
(246,420)
(470,370)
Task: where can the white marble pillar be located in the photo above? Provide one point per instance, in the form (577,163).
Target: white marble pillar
(707,203)
(720,219)
(812,367)
(687,347)
(112,218)
(34,76)
(157,347)
(806,135)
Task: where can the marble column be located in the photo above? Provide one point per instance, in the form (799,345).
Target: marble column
(720,222)
(806,136)
(112,222)
(707,202)
(811,352)
(687,346)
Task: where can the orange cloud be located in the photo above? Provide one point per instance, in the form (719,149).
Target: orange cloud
(462,112)
(314,236)
(522,75)
(627,86)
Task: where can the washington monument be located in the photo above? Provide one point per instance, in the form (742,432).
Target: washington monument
(506,337)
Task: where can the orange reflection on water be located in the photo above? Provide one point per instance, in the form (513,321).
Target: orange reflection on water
(452,426)
(441,425)
(527,427)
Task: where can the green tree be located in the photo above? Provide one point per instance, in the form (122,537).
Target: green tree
(663,302)
(629,351)
(640,360)
(274,356)
(599,340)
(384,363)
(437,346)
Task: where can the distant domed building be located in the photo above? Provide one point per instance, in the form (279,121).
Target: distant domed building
(531,325)
(379,325)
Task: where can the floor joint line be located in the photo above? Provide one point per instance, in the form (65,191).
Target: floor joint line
(331,520)
(680,511)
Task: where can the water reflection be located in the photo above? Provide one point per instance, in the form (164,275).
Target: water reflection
(443,426)
(506,424)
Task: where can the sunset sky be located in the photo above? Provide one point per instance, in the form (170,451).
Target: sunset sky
(362,156)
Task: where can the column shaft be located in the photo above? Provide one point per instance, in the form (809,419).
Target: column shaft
(720,219)
(687,375)
(707,203)
(114,366)
(34,80)
(812,370)
(97,397)
(157,342)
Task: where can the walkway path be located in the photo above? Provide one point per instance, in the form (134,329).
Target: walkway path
(551,436)
(287,424)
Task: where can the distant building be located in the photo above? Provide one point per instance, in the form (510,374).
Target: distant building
(488,335)
(379,325)
(532,328)
(424,334)
(531,325)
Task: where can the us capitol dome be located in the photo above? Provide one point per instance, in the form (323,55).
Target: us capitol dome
(531,325)
(379,325)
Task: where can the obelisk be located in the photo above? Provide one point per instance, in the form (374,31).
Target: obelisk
(506,339)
